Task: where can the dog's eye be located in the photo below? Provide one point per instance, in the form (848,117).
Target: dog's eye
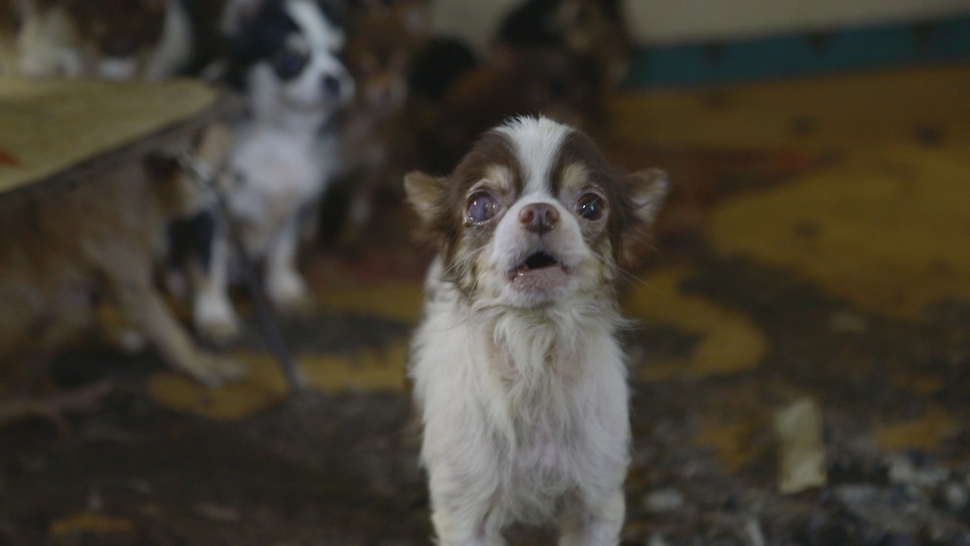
(481,207)
(288,64)
(590,206)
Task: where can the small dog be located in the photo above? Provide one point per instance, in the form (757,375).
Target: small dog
(377,135)
(106,39)
(284,59)
(518,375)
(556,58)
(588,28)
(70,250)
(540,81)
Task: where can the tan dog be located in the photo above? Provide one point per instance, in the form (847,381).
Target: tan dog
(378,139)
(68,250)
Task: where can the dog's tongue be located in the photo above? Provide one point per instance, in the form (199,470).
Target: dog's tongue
(538,273)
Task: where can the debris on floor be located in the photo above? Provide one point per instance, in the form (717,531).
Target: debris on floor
(802,462)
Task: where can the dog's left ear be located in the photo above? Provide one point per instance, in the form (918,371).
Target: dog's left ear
(237,15)
(648,189)
(424,192)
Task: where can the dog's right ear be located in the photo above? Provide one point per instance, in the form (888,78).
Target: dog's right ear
(424,192)
(237,14)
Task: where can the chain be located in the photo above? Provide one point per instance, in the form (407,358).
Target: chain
(205,177)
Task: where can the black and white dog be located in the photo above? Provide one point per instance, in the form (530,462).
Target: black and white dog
(284,58)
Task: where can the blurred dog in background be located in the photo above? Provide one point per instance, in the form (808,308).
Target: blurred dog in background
(108,39)
(378,141)
(111,39)
(592,29)
(557,58)
(283,57)
(71,250)
(551,82)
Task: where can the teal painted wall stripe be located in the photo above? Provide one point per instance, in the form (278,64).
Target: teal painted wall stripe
(792,55)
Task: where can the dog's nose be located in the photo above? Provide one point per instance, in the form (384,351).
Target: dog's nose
(331,84)
(539,217)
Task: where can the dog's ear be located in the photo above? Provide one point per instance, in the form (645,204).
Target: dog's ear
(648,189)
(424,192)
(237,14)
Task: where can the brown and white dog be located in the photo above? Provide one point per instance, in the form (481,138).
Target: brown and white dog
(518,375)
(105,39)
(593,29)
(540,81)
(378,140)
(557,58)
(71,250)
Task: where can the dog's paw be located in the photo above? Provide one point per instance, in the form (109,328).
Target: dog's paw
(130,341)
(216,321)
(288,293)
(127,340)
(214,370)
(218,331)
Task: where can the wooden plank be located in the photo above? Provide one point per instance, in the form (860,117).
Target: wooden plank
(67,131)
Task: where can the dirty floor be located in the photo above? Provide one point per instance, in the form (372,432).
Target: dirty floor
(814,262)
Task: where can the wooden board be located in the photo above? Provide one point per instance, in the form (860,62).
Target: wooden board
(61,129)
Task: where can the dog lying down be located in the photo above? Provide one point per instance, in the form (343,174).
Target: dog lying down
(105,39)
(67,251)
(518,375)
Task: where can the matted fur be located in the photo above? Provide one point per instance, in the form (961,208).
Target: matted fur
(521,384)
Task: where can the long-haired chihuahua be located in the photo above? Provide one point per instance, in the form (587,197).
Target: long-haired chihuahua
(518,375)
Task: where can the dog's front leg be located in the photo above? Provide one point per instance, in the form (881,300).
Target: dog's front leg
(463,527)
(212,312)
(285,287)
(593,523)
(144,309)
(461,509)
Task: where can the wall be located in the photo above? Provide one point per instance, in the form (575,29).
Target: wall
(669,22)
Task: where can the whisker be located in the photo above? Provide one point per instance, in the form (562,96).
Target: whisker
(626,275)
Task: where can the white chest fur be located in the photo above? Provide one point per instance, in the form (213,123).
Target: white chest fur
(278,172)
(525,414)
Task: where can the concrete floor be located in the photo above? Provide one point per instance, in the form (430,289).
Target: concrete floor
(817,247)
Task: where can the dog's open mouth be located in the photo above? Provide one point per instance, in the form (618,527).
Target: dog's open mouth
(540,271)
(538,260)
